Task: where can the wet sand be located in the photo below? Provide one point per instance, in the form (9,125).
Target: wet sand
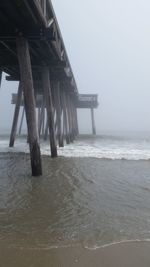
(120,255)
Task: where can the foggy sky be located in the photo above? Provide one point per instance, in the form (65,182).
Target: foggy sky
(108,44)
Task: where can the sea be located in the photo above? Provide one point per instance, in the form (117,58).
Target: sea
(97,192)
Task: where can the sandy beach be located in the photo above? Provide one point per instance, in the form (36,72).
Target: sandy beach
(120,255)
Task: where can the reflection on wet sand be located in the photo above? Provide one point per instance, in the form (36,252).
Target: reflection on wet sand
(135,254)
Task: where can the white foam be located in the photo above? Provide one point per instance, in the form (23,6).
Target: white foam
(117,243)
(97,149)
(94,247)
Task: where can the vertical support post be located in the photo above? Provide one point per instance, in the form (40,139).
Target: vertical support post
(74,130)
(59,113)
(76,121)
(43,4)
(65,118)
(22,117)
(49,107)
(69,118)
(29,102)
(16,115)
(93,122)
(46,130)
(55,113)
(0,78)
(43,123)
(41,117)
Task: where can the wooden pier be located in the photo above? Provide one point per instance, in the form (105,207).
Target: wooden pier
(32,52)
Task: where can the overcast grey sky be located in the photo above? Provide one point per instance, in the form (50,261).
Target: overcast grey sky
(108,43)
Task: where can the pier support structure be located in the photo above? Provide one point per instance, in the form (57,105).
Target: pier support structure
(21,122)
(32,52)
(50,110)
(87,101)
(93,122)
(58,107)
(16,115)
(65,119)
(29,102)
(70,121)
(41,118)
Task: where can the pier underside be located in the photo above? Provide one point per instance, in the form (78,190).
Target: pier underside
(32,52)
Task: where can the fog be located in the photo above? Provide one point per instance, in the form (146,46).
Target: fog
(108,44)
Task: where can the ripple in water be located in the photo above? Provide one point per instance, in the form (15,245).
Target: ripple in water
(77,200)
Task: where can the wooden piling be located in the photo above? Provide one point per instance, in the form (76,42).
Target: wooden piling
(74,130)
(69,113)
(0,78)
(55,115)
(76,121)
(29,102)
(93,122)
(21,122)
(43,122)
(41,117)
(68,117)
(16,115)
(46,130)
(65,118)
(59,115)
(49,107)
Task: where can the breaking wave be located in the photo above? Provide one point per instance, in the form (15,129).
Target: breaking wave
(98,147)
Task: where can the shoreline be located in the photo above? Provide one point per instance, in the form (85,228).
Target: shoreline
(61,156)
(125,254)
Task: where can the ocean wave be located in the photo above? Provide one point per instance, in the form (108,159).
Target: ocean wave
(84,149)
